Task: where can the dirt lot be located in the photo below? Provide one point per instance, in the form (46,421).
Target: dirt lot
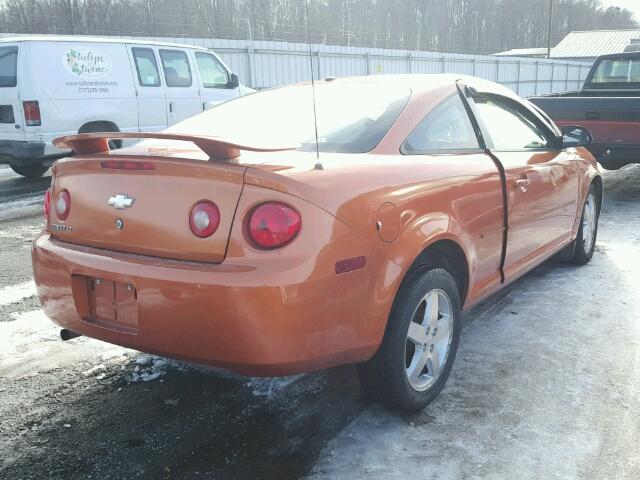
(546,385)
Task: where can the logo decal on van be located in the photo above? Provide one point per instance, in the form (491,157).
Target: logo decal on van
(85,62)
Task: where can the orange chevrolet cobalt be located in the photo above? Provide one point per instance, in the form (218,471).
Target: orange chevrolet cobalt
(267,240)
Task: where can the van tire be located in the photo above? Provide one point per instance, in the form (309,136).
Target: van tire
(30,171)
(100,127)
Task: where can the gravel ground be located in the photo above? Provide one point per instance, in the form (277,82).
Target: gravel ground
(546,385)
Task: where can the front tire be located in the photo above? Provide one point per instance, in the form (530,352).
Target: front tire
(419,345)
(585,242)
(29,171)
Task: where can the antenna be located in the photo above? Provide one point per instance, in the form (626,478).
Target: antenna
(313,87)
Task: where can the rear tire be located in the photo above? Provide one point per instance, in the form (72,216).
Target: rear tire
(585,242)
(29,171)
(419,345)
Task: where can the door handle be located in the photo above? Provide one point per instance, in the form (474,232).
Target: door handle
(170,107)
(522,184)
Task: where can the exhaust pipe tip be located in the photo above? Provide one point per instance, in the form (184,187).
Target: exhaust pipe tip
(68,334)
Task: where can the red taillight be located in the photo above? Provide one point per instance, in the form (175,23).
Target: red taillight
(47,203)
(31,113)
(204,219)
(273,225)
(63,205)
(127,165)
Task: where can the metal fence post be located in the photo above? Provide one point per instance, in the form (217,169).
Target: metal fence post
(250,71)
(473,65)
(553,71)
(409,63)
(497,71)
(537,77)
(368,65)
(518,78)
(318,63)
(566,78)
(444,65)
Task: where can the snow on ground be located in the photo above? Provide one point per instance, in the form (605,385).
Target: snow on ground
(18,358)
(23,232)
(15,293)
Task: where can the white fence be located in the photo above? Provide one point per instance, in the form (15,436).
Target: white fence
(263,64)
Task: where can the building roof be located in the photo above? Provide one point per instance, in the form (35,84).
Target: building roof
(591,44)
(522,52)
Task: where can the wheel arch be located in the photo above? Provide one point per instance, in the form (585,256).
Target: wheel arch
(597,183)
(98,126)
(445,253)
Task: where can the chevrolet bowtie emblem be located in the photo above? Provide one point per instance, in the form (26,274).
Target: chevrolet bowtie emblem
(121,201)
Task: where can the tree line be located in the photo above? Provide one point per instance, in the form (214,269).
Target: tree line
(463,26)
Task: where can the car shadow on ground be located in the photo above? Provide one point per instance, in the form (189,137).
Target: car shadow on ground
(190,422)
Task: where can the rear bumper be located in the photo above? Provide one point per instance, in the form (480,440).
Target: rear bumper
(21,153)
(614,156)
(245,319)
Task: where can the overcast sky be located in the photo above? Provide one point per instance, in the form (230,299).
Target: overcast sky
(633,5)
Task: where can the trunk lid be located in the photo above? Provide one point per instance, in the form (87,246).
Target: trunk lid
(156,223)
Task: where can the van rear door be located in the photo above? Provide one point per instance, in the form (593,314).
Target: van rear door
(11,119)
(150,88)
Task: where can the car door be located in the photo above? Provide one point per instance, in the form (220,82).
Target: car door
(214,79)
(183,93)
(541,180)
(446,138)
(150,90)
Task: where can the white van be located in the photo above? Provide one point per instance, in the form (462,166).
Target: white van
(55,85)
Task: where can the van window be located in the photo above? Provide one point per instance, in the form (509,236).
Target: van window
(146,66)
(212,72)
(175,64)
(8,66)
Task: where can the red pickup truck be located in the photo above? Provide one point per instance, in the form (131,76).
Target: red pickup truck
(608,106)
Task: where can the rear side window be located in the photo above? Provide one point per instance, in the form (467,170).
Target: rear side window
(8,66)
(146,66)
(175,64)
(446,127)
(212,72)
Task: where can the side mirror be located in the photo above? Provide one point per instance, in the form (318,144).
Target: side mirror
(575,136)
(233,82)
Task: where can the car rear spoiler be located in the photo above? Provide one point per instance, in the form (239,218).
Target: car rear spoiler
(215,147)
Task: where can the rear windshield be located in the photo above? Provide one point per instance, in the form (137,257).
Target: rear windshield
(8,66)
(352,117)
(617,70)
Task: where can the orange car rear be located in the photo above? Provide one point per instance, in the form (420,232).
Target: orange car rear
(215,242)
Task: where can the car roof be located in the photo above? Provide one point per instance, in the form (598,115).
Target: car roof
(422,83)
(90,39)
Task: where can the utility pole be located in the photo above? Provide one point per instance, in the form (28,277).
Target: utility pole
(550,26)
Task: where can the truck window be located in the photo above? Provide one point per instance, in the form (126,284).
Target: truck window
(175,64)
(446,127)
(212,72)
(8,66)
(617,70)
(146,66)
